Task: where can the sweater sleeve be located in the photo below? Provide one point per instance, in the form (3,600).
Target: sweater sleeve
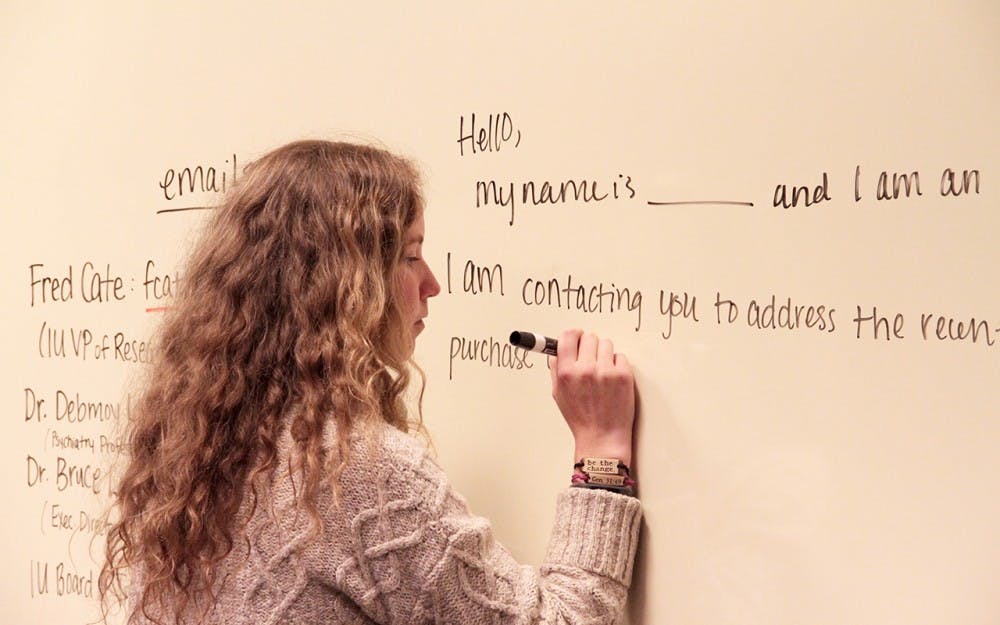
(473,579)
(584,579)
(404,548)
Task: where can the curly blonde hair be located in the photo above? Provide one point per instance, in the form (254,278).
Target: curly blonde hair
(286,319)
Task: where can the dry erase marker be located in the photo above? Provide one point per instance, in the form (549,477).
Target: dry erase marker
(534,342)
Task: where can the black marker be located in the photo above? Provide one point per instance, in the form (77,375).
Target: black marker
(534,342)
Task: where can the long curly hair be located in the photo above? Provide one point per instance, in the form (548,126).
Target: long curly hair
(286,318)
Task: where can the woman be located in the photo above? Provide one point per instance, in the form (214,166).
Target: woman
(271,478)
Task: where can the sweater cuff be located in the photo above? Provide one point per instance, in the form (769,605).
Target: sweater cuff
(597,531)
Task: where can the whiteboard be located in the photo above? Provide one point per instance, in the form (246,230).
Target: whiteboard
(785,214)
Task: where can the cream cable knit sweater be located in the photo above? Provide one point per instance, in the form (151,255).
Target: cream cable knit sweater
(403,548)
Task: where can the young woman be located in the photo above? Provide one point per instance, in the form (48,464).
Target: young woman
(272,476)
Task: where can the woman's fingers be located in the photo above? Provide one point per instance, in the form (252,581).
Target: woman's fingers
(605,354)
(576,346)
(569,346)
(588,348)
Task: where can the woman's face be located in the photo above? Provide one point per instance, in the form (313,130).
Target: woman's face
(416,281)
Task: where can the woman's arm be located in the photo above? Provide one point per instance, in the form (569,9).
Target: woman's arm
(412,552)
(584,579)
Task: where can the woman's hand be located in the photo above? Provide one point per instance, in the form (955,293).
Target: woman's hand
(595,391)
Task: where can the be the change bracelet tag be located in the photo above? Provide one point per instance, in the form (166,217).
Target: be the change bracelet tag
(608,466)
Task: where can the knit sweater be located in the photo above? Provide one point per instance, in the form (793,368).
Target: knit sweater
(400,546)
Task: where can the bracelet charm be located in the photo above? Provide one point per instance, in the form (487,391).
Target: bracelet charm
(607,466)
(603,473)
(601,479)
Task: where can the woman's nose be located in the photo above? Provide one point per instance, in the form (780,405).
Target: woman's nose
(430,284)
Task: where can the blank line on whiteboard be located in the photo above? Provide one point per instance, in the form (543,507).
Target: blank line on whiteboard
(187,208)
(726,202)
